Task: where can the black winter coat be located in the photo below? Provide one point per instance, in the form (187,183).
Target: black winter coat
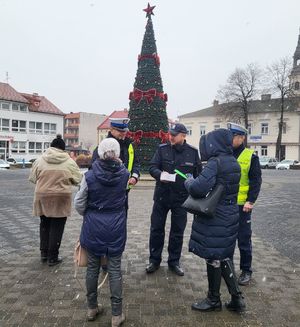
(167,158)
(215,238)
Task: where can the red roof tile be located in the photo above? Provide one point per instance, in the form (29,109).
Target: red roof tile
(10,94)
(41,104)
(115,114)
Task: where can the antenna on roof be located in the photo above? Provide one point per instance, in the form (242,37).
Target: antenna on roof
(7,77)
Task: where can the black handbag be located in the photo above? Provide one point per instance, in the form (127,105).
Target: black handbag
(205,206)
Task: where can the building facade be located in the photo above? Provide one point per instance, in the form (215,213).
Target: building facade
(264,116)
(80,130)
(28,123)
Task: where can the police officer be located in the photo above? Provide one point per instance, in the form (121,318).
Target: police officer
(250,184)
(118,130)
(170,195)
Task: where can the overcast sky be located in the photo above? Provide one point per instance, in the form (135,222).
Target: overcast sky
(82,54)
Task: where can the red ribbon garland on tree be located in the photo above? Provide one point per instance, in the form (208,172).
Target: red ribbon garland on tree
(136,136)
(137,95)
(154,56)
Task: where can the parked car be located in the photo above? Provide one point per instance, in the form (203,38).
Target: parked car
(4,164)
(286,163)
(267,162)
(18,162)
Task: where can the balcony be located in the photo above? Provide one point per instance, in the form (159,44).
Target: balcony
(74,125)
(71,136)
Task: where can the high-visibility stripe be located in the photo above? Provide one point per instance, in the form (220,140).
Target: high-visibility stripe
(130,157)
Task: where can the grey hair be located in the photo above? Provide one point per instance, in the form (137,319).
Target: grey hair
(109,148)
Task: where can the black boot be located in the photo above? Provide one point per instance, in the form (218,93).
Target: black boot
(237,302)
(212,302)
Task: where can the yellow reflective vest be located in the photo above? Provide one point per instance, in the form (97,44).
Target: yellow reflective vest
(130,157)
(244,160)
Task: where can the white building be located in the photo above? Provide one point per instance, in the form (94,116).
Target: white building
(264,116)
(28,123)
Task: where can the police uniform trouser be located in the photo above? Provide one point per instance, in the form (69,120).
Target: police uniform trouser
(157,232)
(244,240)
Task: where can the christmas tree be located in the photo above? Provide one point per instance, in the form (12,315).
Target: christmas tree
(147,107)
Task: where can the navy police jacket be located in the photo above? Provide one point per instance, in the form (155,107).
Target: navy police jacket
(168,157)
(215,238)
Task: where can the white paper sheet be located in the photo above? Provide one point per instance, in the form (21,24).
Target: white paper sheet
(166,177)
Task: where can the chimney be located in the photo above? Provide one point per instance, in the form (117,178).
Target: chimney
(216,103)
(265,97)
(35,94)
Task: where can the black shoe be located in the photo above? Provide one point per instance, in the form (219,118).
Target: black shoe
(237,304)
(177,270)
(151,268)
(245,278)
(54,262)
(208,305)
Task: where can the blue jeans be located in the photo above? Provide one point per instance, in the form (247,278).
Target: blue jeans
(115,282)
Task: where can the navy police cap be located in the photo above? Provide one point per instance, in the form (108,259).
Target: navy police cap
(178,128)
(121,124)
(237,129)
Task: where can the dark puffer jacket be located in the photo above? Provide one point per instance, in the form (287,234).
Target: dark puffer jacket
(215,238)
(104,225)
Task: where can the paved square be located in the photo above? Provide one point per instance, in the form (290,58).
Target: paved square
(33,294)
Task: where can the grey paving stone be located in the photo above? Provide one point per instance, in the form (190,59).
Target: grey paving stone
(32,294)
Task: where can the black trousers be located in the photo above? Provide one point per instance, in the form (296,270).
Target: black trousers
(51,232)
(157,232)
(244,240)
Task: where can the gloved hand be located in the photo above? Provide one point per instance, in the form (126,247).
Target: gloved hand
(188,182)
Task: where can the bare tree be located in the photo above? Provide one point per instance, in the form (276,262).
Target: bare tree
(278,76)
(241,87)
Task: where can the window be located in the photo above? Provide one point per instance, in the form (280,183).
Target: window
(23,107)
(52,128)
(215,127)
(46,145)
(18,147)
(202,130)
(18,125)
(297,86)
(283,127)
(46,128)
(4,124)
(5,105)
(189,130)
(19,107)
(264,128)
(264,150)
(35,127)
(35,147)
(249,128)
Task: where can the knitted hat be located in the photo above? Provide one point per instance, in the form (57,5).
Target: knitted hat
(109,149)
(58,143)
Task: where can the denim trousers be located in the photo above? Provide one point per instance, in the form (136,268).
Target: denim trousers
(115,282)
